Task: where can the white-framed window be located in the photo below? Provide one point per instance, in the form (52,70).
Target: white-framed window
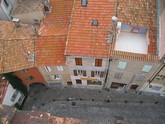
(156,88)
(48,68)
(79,72)
(55,77)
(97,74)
(5,3)
(59,68)
(146,68)
(122,65)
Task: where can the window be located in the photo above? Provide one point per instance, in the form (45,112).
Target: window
(59,68)
(78,61)
(55,77)
(20,100)
(29,78)
(156,88)
(117,85)
(79,72)
(139,77)
(90,82)
(48,68)
(98,62)
(5,4)
(146,68)
(14,96)
(97,73)
(23,71)
(78,81)
(95,22)
(69,83)
(84,3)
(118,75)
(122,65)
(36,21)
(134,87)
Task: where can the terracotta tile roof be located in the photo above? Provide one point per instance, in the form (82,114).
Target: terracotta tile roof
(85,39)
(134,56)
(54,32)
(14,44)
(50,50)
(27,6)
(3,88)
(140,13)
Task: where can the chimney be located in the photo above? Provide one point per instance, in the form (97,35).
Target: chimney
(16,21)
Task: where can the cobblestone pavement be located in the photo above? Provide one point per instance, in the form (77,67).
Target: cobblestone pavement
(98,106)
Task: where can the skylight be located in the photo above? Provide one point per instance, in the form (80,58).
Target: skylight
(95,23)
(84,3)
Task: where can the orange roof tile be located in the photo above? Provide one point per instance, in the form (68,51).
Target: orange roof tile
(85,39)
(140,13)
(50,45)
(14,44)
(50,50)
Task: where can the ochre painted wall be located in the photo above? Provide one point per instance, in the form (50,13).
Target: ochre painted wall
(31,72)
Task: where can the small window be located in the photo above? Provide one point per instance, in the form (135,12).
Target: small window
(75,72)
(69,83)
(90,82)
(95,22)
(59,68)
(122,65)
(92,74)
(78,81)
(48,68)
(5,4)
(97,73)
(29,78)
(139,77)
(14,96)
(98,62)
(23,71)
(84,3)
(55,77)
(79,72)
(147,68)
(78,61)
(118,75)
(134,87)
(36,21)
(156,88)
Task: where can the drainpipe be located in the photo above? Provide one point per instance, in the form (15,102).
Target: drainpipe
(114,19)
(107,73)
(4,13)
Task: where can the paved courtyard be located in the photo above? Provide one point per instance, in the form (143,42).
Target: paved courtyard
(97,106)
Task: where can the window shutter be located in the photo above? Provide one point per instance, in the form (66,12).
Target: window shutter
(75,72)
(102,74)
(92,73)
(98,62)
(84,73)
(78,61)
